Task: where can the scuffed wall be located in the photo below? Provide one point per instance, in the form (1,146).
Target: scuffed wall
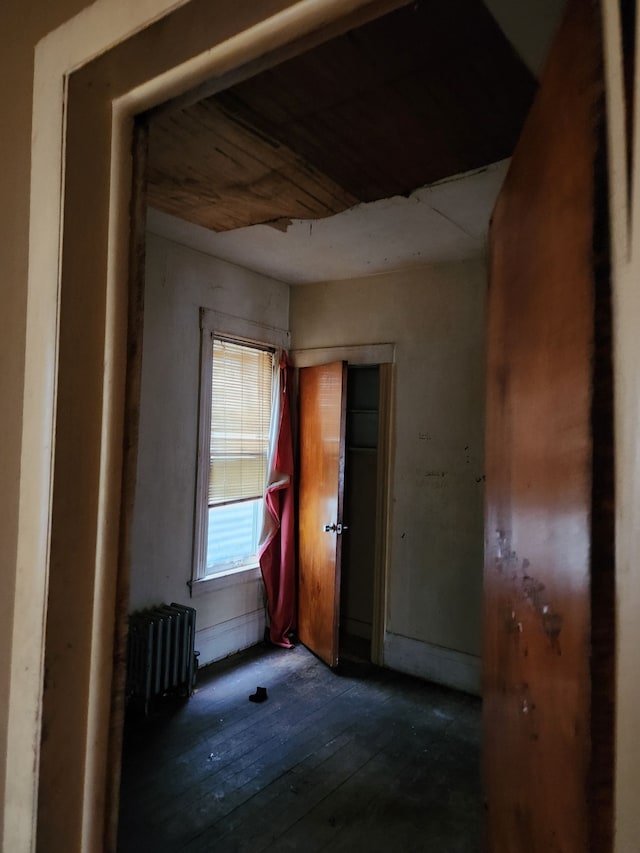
(179,281)
(435,316)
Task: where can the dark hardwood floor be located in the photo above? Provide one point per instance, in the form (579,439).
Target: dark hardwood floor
(361,760)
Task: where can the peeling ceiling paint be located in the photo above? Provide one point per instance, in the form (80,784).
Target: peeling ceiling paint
(447,221)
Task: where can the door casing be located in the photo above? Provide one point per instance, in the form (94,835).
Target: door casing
(384,356)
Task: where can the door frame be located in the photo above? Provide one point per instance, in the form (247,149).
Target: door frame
(383,355)
(93,75)
(241,36)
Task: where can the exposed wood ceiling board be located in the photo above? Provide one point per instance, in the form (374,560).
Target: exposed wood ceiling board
(482,129)
(204,138)
(449,39)
(309,83)
(381,158)
(331,141)
(379,145)
(452,128)
(207,168)
(427,92)
(477,90)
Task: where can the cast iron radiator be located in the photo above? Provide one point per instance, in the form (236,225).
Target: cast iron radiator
(160,653)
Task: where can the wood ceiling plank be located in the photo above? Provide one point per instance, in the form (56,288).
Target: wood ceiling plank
(424,93)
(427,92)
(209,169)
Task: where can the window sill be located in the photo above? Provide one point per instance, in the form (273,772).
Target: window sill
(230,577)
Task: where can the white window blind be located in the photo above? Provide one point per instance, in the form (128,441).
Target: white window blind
(241,380)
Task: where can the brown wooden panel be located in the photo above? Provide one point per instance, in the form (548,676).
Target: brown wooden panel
(322,395)
(548,387)
(207,168)
(428,91)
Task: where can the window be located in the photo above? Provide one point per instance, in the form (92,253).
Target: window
(241,381)
(237,364)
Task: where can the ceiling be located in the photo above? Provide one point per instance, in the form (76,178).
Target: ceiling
(380,149)
(444,222)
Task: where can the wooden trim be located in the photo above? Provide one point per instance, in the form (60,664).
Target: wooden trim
(129,476)
(232,577)
(602,558)
(356,354)
(620,200)
(202,459)
(355,18)
(382,523)
(243,330)
(342,462)
(625,234)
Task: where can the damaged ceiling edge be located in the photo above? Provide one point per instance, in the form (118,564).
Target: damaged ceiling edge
(446,221)
(423,93)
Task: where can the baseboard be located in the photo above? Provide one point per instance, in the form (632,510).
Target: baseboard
(433,663)
(233,635)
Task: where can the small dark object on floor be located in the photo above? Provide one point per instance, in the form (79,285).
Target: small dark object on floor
(259,696)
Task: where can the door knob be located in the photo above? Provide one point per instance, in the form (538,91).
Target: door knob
(335,528)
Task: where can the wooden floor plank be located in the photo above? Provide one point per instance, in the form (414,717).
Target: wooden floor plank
(230,772)
(362,759)
(303,787)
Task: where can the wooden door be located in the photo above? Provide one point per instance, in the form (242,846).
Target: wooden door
(548,617)
(322,394)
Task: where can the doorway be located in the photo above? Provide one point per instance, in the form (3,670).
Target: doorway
(360,510)
(344,483)
(88,592)
(70,342)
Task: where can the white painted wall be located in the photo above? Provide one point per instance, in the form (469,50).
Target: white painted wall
(436,317)
(178,282)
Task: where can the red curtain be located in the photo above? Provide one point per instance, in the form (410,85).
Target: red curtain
(277,549)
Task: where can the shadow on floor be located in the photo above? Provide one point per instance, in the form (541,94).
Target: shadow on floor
(363,760)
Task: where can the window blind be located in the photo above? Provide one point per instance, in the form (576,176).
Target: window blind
(241,380)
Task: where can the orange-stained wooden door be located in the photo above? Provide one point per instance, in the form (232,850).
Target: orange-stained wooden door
(548,582)
(322,396)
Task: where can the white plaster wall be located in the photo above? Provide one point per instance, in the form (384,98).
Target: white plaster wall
(178,282)
(436,317)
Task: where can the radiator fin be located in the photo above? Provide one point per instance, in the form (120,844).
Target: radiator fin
(161,658)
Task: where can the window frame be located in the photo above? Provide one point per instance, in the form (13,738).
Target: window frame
(241,331)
